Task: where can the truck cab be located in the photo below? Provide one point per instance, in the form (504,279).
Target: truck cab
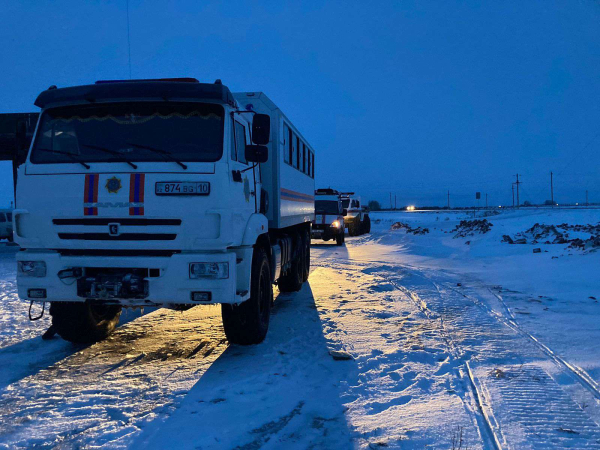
(329,216)
(357,218)
(149,193)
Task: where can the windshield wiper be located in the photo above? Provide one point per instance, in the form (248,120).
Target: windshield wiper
(167,155)
(111,152)
(58,152)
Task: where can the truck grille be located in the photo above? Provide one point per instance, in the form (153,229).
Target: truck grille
(118,253)
(121,237)
(130,229)
(99,221)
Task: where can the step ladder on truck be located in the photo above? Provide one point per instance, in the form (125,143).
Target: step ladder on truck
(166,192)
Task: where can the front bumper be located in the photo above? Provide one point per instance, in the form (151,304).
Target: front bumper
(172,285)
(325,231)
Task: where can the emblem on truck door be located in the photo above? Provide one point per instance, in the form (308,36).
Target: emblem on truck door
(113,185)
(114,229)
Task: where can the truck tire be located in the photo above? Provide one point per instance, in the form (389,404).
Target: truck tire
(84,322)
(367,225)
(352,228)
(306,256)
(294,277)
(248,322)
(339,239)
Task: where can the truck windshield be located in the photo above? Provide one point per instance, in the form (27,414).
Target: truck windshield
(326,207)
(345,202)
(120,132)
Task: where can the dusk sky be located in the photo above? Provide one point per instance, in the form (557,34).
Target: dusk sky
(412,98)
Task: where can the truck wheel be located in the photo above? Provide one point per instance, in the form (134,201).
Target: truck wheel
(367,224)
(339,239)
(248,322)
(85,322)
(306,257)
(294,277)
(351,229)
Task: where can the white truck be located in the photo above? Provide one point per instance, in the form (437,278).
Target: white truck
(329,216)
(168,193)
(357,218)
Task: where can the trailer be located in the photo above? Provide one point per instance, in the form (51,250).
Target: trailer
(168,192)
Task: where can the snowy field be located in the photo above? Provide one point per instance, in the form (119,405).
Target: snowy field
(423,334)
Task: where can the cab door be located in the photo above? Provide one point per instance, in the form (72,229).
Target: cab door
(242,179)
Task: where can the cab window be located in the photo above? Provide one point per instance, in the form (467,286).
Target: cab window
(2,218)
(294,154)
(240,142)
(297,164)
(233,152)
(303,158)
(9,217)
(287,143)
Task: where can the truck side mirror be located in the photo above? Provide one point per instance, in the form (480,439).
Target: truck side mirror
(261,129)
(257,153)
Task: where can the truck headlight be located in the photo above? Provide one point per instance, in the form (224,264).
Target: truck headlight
(32,268)
(335,224)
(209,270)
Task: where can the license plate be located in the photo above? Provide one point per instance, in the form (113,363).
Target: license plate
(182,188)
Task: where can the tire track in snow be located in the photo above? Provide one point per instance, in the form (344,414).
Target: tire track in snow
(482,416)
(398,362)
(496,347)
(489,428)
(577,373)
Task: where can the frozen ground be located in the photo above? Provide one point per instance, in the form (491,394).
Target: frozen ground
(483,345)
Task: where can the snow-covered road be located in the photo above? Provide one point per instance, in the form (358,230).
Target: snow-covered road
(441,357)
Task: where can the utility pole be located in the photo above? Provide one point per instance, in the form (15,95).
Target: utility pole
(586,198)
(551,189)
(448,199)
(513,192)
(517,183)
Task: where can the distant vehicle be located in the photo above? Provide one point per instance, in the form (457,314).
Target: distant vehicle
(167,193)
(329,216)
(357,218)
(6,229)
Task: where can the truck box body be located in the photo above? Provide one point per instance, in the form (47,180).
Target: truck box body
(290,185)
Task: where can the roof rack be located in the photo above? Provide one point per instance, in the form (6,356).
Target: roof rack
(176,80)
(327,191)
(165,89)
